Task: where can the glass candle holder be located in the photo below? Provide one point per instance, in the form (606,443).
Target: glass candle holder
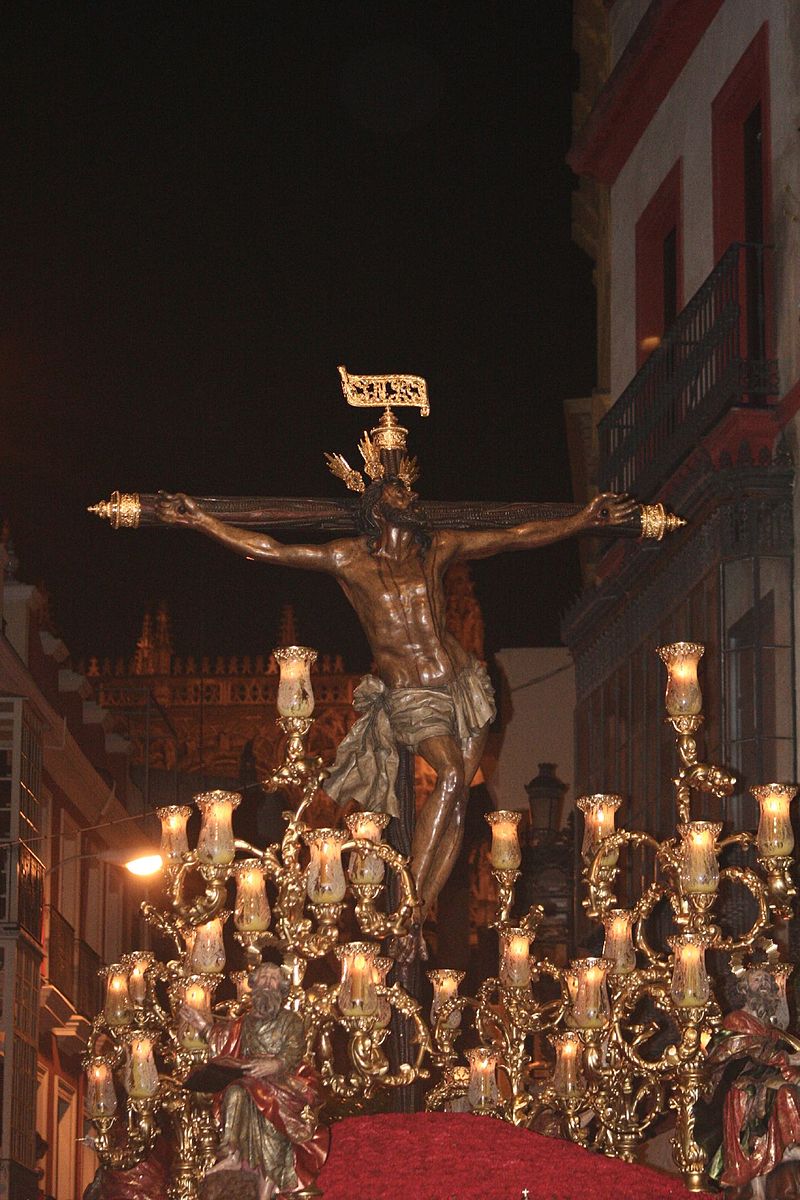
(295,695)
(251,912)
(325,882)
(208,950)
(482,1091)
(215,845)
(598,817)
(689,987)
(568,1080)
(505,853)
(445,987)
(699,866)
(143,1071)
(138,963)
(357,994)
(515,961)
(118,1009)
(195,992)
(775,836)
(380,969)
(174,840)
(369,827)
(683,696)
(241,981)
(101,1095)
(590,1008)
(618,947)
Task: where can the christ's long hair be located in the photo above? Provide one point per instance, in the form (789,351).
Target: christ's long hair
(371,504)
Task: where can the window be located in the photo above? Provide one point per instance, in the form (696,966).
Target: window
(741,175)
(66,1133)
(659,265)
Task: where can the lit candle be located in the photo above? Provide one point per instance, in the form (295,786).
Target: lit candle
(515,963)
(618,945)
(196,994)
(505,853)
(208,951)
(101,1096)
(138,963)
(567,1075)
(699,867)
(251,913)
(775,837)
(118,1010)
(357,995)
(174,842)
(295,695)
(143,1071)
(445,987)
(689,987)
(369,827)
(598,814)
(590,1008)
(215,845)
(325,883)
(683,696)
(482,1089)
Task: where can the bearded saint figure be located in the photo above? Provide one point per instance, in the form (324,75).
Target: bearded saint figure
(268,1112)
(751,1057)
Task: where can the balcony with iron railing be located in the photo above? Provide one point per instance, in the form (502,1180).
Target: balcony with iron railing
(61,955)
(710,360)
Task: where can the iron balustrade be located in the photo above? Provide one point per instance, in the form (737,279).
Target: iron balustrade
(711,359)
(61,955)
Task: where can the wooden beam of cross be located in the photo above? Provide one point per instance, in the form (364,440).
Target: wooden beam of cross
(384,451)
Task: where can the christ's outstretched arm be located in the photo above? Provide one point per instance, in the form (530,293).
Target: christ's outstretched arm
(605,510)
(180,509)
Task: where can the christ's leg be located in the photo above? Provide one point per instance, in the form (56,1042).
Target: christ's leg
(447,848)
(439,830)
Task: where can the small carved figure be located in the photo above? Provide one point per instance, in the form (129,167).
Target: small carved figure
(146,1180)
(268,1110)
(761,1111)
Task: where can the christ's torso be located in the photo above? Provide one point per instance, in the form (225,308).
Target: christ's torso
(400,602)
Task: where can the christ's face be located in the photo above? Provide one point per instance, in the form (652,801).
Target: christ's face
(398,505)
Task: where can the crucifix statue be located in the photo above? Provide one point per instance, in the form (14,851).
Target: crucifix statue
(428,696)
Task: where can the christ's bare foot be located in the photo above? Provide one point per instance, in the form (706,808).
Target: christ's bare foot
(229,1160)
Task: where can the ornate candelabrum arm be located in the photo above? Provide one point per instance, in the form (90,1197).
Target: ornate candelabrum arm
(372,923)
(600,876)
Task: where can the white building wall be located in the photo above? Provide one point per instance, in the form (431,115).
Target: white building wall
(540,728)
(682,127)
(623,20)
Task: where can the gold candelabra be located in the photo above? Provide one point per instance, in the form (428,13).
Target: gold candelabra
(287,900)
(630,1028)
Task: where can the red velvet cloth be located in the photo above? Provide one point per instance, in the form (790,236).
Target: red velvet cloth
(456,1156)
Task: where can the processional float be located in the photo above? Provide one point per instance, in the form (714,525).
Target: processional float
(290,903)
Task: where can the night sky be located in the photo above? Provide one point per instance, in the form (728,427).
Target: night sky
(206,208)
